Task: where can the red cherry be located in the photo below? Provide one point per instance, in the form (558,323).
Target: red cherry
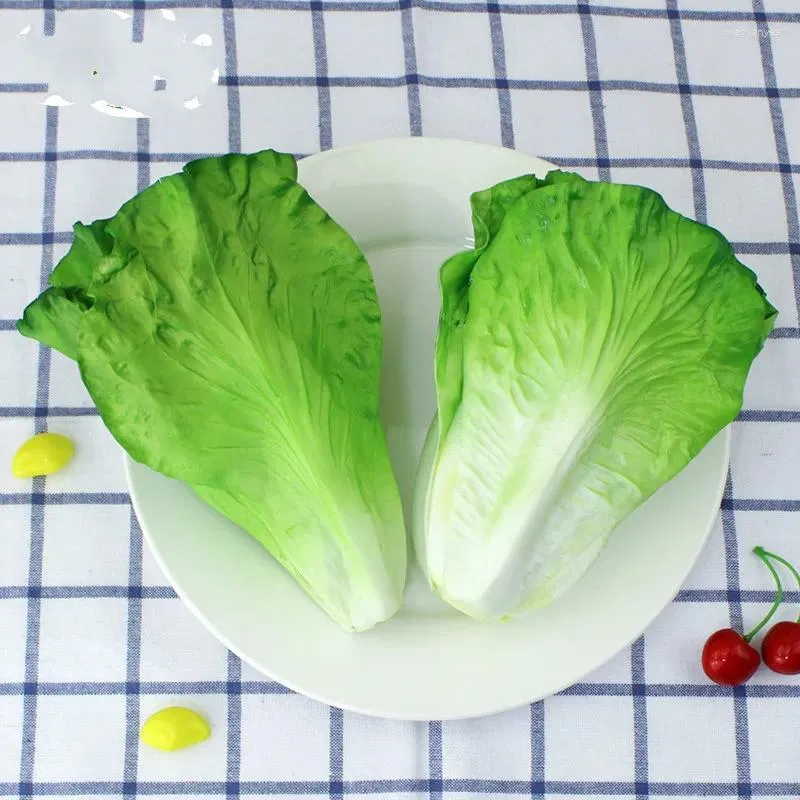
(781,648)
(728,658)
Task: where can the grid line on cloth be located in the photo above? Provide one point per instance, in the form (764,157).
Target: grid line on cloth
(49,26)
(135,548)
(741,733)
(435,761)
(39,239)
(140,688)
(336,755)
(746,415)
(137,20)
(687,107)
(601,146)
(64,237)
(231,68)
(595,91)
(321,65)
(410,63)
(133,661)
(37,521)
(325,130)
(41,411)
(138,591)
(740,712)
(267,687)
(22,88)
(501,74)
(475,82)
(781,144)
(233,690)
(361,6)
(538,745)
(639,696)
(41,498)
(469,786)
(563,160)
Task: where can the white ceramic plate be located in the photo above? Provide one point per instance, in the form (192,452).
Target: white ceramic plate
(406,203)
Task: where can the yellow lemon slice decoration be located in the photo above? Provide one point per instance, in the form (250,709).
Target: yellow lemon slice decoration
(42,454)
(175,727)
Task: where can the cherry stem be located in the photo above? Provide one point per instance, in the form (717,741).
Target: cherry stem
(764,555)
(780,560)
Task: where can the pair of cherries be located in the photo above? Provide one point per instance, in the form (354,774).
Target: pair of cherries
(728,657)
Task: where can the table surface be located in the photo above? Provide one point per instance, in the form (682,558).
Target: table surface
(699,99)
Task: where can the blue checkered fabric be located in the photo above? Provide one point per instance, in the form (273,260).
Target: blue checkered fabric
(699,99)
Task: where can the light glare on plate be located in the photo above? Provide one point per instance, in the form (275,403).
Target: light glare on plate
(104,107)
(56,100)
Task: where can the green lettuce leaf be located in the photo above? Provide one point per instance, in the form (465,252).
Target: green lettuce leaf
(229,332)
(588,348)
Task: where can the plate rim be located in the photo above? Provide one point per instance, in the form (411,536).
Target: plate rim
(490,709)
(321,697)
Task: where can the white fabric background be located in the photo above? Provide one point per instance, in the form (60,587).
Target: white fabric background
(699,99)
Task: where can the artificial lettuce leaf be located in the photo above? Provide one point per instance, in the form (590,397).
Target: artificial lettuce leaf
(231,338)
(489,208)
(588,348)
(91,243)
(53,319)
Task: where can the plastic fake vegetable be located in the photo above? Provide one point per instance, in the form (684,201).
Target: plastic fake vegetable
(589,346)
(42,454)
(228,331)
(174,728)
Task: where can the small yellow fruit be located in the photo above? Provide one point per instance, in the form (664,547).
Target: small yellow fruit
(42,454)
(175,727)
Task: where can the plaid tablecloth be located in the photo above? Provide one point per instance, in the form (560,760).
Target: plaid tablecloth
(699,99)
